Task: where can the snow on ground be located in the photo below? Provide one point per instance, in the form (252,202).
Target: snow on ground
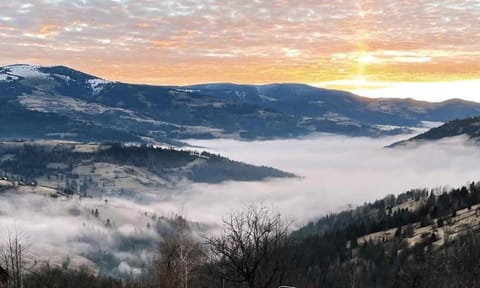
(267,98)
(464,220)
(97,85)
(67,105)
(41,190)
(393,107)
(26,71)
(86,148)
(46,103)
(56,256)
(127,177)
(187,90)
(5,184)
(410,205)
(7,77)
(63,77)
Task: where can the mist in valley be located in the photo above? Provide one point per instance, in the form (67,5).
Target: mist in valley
(334,173)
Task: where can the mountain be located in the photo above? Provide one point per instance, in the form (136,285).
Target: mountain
(59,102)
(18,122)
(113,194)
(55,162)
(396,241)
(308,101)
(469,127)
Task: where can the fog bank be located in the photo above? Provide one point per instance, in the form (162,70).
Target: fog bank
(336,171)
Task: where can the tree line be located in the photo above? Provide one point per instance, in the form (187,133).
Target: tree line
(256,249)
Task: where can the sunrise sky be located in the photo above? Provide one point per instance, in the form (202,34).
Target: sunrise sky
(380,48)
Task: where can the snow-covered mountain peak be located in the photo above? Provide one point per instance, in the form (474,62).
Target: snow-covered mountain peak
(14,72)
(59,76)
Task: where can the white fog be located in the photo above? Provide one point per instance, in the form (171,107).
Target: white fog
(334,172)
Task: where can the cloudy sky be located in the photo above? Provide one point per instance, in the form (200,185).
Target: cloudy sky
(372,47)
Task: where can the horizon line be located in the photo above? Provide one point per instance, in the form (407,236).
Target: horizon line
(359,86)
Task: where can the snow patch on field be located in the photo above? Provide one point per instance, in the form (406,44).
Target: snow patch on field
(97,85)
(68,106)
(7,77)
(63,77)
(26,71)
(57,256)
(267,98)
(45,103)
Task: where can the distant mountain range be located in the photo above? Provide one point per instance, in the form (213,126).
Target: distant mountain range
(58,102)
(469,127)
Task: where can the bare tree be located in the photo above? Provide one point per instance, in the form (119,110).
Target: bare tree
(12,258)
(252,249)
(180,255)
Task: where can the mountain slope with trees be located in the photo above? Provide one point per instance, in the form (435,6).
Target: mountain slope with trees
(402,241)
(83,162)
(165,113)
(418,239)
(469,127)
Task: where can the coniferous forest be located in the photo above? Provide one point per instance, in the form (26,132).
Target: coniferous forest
(421,238)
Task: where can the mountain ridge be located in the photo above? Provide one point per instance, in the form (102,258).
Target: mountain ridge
(469,127)
(247,112)
(409,99)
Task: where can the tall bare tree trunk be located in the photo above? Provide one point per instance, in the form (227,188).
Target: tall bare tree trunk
(12,257)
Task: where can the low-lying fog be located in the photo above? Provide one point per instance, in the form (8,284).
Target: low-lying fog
(334,171)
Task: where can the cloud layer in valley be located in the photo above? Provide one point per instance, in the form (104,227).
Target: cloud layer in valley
(335,171)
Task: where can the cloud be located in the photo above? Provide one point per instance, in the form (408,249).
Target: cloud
(335,171)
(54,229)
(176,42)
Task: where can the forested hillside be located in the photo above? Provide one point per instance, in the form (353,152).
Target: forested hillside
(145,113)
(421,238)
(469,127)
(76,166)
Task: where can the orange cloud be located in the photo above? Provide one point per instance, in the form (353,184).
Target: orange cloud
(257,42)
(49,29)
(143,25)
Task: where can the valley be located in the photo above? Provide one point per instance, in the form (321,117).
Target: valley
(239,144)
(116,166)
(138,190)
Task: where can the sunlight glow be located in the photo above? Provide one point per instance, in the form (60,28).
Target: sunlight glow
(367,59)
(222,41)
(428,91)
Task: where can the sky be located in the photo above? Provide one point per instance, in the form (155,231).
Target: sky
(377,48)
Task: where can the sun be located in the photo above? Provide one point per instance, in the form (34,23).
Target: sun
(359,81)
(367,59)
